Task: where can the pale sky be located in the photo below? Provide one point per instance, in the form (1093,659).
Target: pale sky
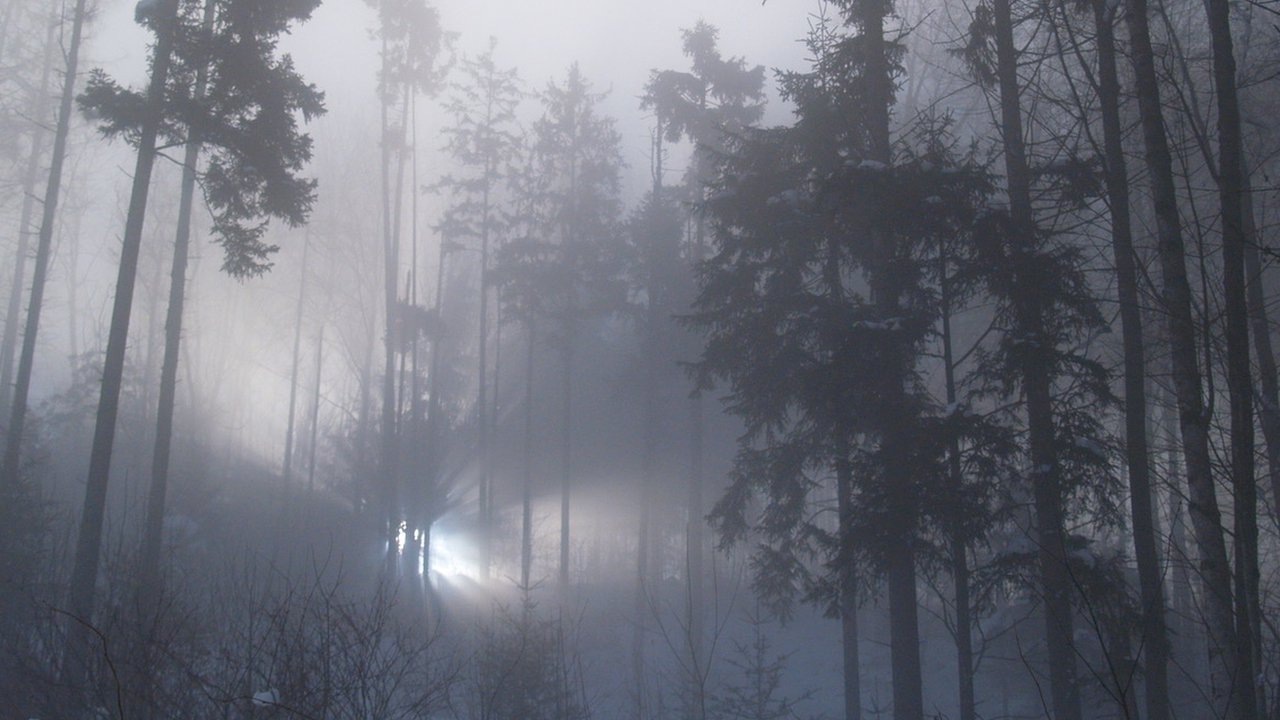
(617,44)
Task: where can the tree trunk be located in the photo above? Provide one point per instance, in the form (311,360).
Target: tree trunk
(482,361)
(429,495)
(1268,379)
(566,459)
(149,581)
(296,366)
(89,542)
(315,414)
(695,543)
(1231,177)
(1055,577)
(959,543)
(1155,643)
(1193,422)
(526,505)
(32,175)
(387,463)
(851,670)
(10,469)
(846,553)
(904,626)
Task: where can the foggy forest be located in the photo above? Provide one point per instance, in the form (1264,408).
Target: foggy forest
(690,360)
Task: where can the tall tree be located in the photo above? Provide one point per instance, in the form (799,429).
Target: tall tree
(826,376)
(232,97)
(218,85)
(161,18)
(711,102)
(480,140)
(411,42)
(35,160)
(10,467)
(1175,290)
(578,149)
(1231,191)
(1137,454)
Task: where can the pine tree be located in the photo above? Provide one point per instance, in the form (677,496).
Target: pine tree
(481,140)
(161,17)
(234,99)
(411,44)
(712,101)
(244,114)
(828,379)
(574,258)
(10,466)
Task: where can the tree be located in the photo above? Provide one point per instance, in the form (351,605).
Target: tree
(755,694)
(411,44)
(573,262)
(1232,180)
(711,102)
(38,137)
(18,410)
(481,141)
(828,378)
(1193,422)
(161,17)
(244,113)
(1156,647)
(231,97)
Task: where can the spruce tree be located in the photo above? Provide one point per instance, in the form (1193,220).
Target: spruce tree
(481,139)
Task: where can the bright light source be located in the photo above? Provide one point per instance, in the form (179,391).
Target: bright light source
(451,555)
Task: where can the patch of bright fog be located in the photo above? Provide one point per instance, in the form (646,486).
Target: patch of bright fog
(452,553)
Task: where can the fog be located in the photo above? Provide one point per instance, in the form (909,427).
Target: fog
(383,359)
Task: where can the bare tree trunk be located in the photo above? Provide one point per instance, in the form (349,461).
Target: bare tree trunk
(89,543)
(1268,379)
(30,177)
(526,508)
(959,543)
(387,463)
(426,495)
(1155,643)
(566,458)
(1206,519)
(149,581)
(9,470)
(695,542)
(1046,484)
(315,414)
(482,405)
(1231,183)
(296,365)
(73,292)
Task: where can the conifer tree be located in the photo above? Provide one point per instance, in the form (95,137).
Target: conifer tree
(827,377)
(565,270)
(715,99)
(216,82)
(411,44)
(161,18)
(9,466)
(481,140)
(234,99)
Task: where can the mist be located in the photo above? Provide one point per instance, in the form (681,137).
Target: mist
(390,359)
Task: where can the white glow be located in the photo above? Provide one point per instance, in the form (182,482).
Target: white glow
(451,556)
(401,539)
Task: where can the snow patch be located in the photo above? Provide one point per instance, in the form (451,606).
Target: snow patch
(266,698)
